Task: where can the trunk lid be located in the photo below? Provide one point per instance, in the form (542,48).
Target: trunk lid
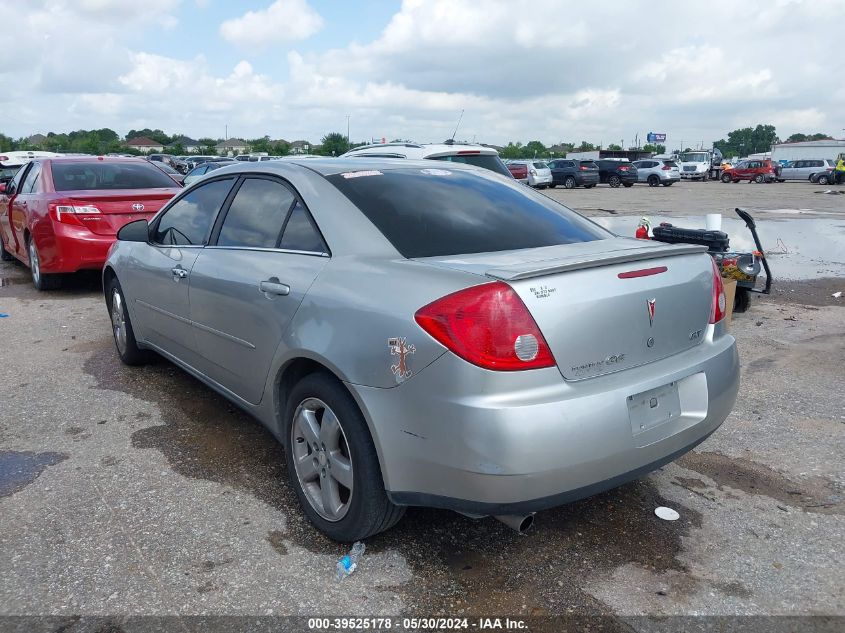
(118,207)
(597,309)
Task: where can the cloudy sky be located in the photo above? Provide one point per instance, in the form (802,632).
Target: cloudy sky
(546,70)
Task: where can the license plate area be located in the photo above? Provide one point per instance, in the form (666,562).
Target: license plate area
(649,409)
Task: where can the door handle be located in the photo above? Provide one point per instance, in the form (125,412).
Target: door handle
(179,273)
(273,287)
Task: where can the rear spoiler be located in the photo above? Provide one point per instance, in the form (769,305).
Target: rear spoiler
(527,270)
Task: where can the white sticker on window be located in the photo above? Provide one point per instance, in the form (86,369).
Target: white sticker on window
(436,172)
(359,174)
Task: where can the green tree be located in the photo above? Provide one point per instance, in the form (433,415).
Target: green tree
(654,149)
(534,148)
(333,144)
(614,147)
(748,140)
(281,148)
(798,137)
(512,150)
(156,135)
(7,143)
(207,146)
(586,147)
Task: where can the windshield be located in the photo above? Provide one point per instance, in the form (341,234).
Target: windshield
(695,157)
(76,176)
(487,161)
(426,214)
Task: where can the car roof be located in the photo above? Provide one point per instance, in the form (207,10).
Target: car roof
(421,150)
(94,159)
(331,166)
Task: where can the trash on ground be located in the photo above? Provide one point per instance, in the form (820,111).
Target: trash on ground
(3,316)
(836,295)
(667,514)
(347,565)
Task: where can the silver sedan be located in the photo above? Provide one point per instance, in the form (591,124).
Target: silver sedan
(427,335)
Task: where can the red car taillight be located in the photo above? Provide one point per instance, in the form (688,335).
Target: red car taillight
(68,211)
(719,305)
(623,169)
(666,168)
(582,168)
(488,326)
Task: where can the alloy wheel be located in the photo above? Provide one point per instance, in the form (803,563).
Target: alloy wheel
(322,459)
(118,321)
(34,264)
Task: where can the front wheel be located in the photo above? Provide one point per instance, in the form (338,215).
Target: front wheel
(332,462)
(569,182)
(653,181)
(614,181)
(726,178)
(40,280)
(759,179)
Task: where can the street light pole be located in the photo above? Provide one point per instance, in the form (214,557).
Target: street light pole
(347,129)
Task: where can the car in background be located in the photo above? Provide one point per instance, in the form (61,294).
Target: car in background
(617,172)
(757,170)
(657,172)
(518,170)
(826,177)
(179,165)
(193,161)
(11,162)
(806,169)
(539,174)
(61,215)
(427,336)
(572,173)
(201,170)
(167,169)
(477,155)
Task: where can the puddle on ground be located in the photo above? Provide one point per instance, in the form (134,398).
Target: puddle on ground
(814,248)
(460,564)
(18,469)
(812,495)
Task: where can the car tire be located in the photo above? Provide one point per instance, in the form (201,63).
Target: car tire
(367,509)
(726,178)
(569,182)
(742,300)
(759,179)
(122,330)
(5,255)
(614,181)
(40,280)
(653,181)
(823,180)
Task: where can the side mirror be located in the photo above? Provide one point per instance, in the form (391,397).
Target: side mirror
(137,231)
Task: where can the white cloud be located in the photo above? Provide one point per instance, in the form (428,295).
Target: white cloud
(283,21)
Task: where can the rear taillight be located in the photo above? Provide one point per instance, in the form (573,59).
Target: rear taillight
(488,326)
(666,168)
(70,212)
(533,172)
(582,168)
(623,169)
(719,307)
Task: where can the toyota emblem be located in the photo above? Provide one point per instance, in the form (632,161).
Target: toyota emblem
(138,207)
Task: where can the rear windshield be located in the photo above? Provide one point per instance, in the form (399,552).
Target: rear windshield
(425,214)
(75,176)
(540,166)
(487,161)
(589,164)
(670,163)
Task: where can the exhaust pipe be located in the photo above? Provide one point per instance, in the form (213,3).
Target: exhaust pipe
(519,522)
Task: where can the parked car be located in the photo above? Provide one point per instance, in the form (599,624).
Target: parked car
(617,172)
(167,169)
(177,164)
(752,170)
(806,169)
(60,215)
(193,161)
(518,170)
(11,162)
(427,336)
(825,177)
(539,174)
(201,170)
(657,172)
(477,155)
(574,173)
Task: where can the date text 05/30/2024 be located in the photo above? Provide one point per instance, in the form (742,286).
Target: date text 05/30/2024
(413,624)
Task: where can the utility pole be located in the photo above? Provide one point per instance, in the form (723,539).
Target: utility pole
(347,129)
(226,133)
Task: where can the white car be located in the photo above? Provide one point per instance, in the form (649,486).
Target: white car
(477,155)
(539,173)
(11,162)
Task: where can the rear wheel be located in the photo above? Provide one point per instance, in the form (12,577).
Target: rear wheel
(569,182)
(124,334)
(742,299)
(759,179)
(332,461)
(726,178)
(653,180)
(40,280)
(823,180)
(614,181)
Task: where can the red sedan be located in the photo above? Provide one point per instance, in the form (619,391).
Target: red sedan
(61,215)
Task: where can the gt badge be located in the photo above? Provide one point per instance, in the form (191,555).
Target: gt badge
(650,303)
(398,347)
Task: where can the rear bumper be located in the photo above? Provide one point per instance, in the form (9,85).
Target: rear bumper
(72,248)
(459,437)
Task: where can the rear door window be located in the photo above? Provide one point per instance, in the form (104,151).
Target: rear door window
(256,215)
(424,214)
(188,221)
(301,232)
(31,181)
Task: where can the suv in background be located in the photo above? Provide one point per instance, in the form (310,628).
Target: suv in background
(805,169)
(617,172)
(477,155)
(751,170)
(656,171)
(574,173)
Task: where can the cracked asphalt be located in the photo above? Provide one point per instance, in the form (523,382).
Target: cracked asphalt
(140,491)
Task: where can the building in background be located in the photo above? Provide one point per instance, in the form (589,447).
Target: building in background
(145,145)
(234,146)
(188,144)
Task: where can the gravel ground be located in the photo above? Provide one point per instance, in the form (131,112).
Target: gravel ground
(140,491)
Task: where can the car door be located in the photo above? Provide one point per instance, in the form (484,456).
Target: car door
(790,170)
(20,211)
(249,282)
(9,234)
(157,283)
(811,167)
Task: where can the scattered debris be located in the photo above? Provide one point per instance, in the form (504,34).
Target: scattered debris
(835,295)
(667,514)
(3,315)
(347,565)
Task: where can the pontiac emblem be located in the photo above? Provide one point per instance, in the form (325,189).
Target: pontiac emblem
(398,347)
(650,303)
(138,207)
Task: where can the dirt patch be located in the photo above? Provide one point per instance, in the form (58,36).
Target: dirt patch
(277,542)
(808,292)
(812,495)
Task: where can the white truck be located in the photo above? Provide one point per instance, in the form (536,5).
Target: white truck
(702,164)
